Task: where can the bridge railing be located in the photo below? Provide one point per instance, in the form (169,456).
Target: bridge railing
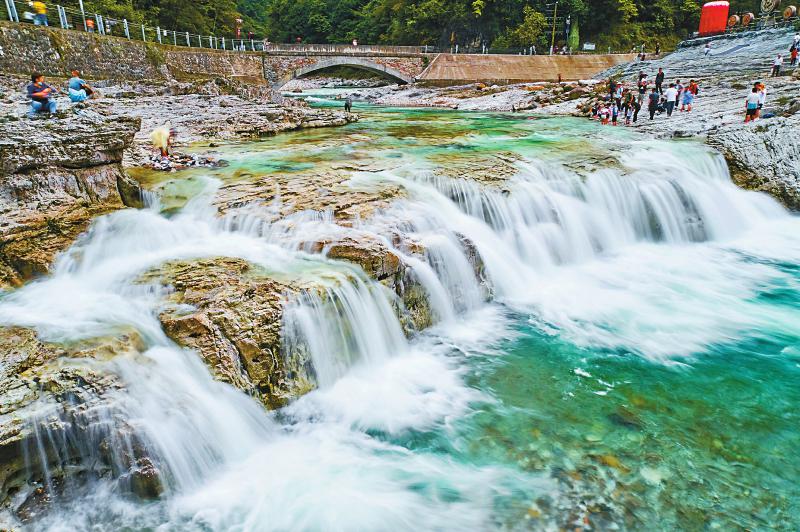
(344,49)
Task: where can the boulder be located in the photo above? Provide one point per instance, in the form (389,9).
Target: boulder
(231,313)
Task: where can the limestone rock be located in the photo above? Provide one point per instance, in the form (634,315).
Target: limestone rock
(764,155)
(57,174)
(231,314)
(55,388)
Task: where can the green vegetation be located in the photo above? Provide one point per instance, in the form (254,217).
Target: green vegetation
(619,24)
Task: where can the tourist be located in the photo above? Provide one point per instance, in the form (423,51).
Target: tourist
(751,105)
(762,97)
(78,89)
(40,13)
(41,96)
(89,25)
(658,48)
(652,102)
(614,113)
(628,115)
(707,48)
(679,88)
(796,41)
(671,94)
(793,56)
(603,115)
(660,80)
(612,87)
(348,104)
(688,98)
(776,66)
(163,138)
(642,88)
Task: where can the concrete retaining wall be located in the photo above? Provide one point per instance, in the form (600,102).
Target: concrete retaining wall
(449,69)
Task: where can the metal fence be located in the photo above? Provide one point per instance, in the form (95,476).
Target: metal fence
(78,18)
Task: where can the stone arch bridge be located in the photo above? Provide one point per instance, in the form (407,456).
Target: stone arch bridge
(283,63)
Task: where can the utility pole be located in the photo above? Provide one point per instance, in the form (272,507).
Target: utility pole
(553,35)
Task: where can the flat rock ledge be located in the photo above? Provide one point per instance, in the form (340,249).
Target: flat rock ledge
(56,175)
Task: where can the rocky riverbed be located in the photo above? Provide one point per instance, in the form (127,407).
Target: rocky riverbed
(61,173)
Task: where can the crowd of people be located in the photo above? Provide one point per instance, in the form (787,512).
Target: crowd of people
(623,102)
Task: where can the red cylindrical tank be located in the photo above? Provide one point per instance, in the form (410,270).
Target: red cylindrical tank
(714,17)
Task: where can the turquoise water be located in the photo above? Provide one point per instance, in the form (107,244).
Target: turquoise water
(709,441)
(645,381)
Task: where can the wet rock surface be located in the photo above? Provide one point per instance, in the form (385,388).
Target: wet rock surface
(231,313)
(47,392)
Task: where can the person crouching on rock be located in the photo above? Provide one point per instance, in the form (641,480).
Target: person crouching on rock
(79,90)
(41,96)
(163,137)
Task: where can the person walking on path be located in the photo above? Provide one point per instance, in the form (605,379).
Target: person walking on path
(776,66)
(652,102)
(751,105)
(762,97)
(40,94)
(39,13)
(707,49)
(660,80)
(793,56)
(671,94)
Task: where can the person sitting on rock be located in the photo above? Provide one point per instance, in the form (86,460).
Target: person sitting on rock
(41,96)
(79,90)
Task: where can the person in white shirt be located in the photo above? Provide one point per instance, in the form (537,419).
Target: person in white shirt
(776,66)
(708,48)
(751,105)
(796,41)
(671,94)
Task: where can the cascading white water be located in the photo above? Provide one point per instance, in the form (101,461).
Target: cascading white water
(551,242)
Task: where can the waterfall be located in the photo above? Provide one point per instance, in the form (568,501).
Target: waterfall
(549,242)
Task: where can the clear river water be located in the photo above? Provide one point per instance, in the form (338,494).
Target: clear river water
(627,357)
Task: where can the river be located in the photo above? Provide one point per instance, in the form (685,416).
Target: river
(627,356)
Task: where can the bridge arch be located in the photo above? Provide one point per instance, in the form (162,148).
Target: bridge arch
(354,62)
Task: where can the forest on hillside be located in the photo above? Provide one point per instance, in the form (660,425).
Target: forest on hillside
(618,24)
